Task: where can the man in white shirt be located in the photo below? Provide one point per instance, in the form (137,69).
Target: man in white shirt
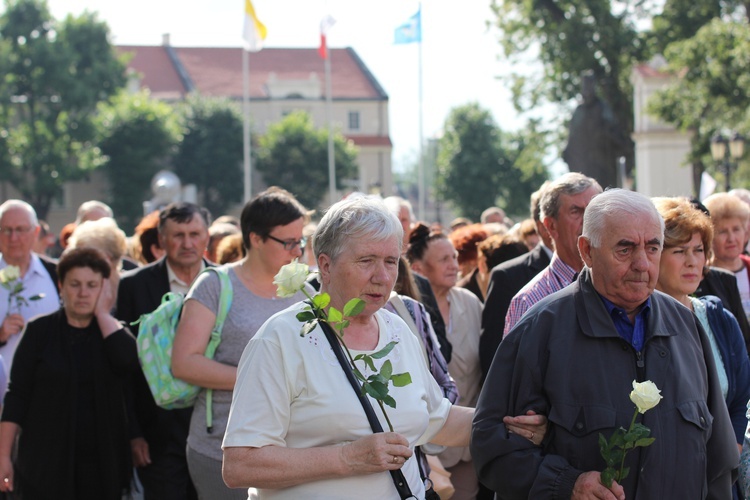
(19,229)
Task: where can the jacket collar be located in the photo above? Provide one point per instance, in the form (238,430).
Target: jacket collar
(594,320)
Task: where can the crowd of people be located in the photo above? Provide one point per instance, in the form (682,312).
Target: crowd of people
(522,341)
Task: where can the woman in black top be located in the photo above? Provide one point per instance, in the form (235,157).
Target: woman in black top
(66,393)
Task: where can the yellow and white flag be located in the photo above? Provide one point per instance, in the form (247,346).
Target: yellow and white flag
(255,31)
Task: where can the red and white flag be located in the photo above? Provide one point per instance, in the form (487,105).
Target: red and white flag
(325,24)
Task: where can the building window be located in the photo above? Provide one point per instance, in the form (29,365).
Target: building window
(353,120)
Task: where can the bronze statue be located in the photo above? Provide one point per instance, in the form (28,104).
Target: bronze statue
(596,140)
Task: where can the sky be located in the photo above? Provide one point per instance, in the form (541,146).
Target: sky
(460,56)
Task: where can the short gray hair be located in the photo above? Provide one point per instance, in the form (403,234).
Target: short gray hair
(614,203)
(569,184)
(22,205)
(355,217)
(395,203)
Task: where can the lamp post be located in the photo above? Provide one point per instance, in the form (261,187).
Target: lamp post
(721,154)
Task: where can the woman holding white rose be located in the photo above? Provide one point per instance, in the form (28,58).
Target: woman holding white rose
(297,429)
(271,226)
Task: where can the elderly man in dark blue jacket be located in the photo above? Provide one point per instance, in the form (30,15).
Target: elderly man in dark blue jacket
(573,357)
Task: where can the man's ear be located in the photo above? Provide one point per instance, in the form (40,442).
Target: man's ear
(584,248)
(550,224)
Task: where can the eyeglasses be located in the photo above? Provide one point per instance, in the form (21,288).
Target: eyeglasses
(20,230)
(290,245)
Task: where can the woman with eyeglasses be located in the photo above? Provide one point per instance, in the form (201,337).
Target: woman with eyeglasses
(271,225)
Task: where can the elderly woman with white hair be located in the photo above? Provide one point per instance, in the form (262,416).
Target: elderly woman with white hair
(296,427)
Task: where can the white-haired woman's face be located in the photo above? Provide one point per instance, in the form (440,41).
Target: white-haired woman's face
(729,238)
(364,269)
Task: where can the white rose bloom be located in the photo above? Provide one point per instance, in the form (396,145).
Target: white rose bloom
(10,273)
(290,279)
(645,395)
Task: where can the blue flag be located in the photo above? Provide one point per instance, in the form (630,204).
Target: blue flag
(410,31)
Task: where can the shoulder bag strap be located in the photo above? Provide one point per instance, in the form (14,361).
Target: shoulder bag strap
(398,477)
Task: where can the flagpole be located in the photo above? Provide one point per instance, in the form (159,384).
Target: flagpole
(421,186)
(246,125)
(329,102)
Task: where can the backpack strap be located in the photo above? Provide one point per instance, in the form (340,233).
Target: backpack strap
(225,303)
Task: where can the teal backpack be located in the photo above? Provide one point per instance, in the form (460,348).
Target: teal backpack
(156,333)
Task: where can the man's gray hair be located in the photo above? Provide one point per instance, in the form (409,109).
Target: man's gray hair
(394,204)
(20,204)
(616,203)
(356,217)
(570,184)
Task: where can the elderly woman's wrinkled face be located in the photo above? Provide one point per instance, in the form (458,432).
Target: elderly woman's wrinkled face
(439,264)
(729,238)
(80,291)
(364,269)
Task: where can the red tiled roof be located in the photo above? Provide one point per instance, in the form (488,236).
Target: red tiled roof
(370,140)
(156,70)
(218,71)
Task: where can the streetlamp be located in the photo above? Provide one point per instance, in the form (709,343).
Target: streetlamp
(719,152)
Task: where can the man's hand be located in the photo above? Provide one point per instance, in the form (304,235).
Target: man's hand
(139,449)
(589,486)
(12,325)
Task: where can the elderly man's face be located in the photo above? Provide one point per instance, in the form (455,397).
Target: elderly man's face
(184,243)
(567,227)
(625,267)
(17,236)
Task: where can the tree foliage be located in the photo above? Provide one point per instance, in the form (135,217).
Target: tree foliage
(52,75)
(713,88)
(210,154)
(479,166)
(294,155)
(137,134)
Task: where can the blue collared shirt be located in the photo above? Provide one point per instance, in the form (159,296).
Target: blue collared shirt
(634,334)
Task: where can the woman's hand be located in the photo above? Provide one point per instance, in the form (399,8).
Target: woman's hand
(376,453)
(530,426)
(107,298)
(6,474)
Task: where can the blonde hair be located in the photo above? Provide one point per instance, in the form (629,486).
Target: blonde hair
(726,206)
(102,234)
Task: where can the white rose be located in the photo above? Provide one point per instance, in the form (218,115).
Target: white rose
(645,395)
(9,273)
(290,279)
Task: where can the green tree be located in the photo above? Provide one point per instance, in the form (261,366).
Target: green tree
(293,154)
(480,166)
(210,154)
(138,135)
(713,88)
(52,75)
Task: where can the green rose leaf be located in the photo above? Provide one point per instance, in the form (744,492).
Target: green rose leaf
(18,288)
(389,401)
(376,390)
(624,473)
(386,370)
(367,359)
(401,379)
(334,315)
(321,300)
(607,476)
(38,296)
(354,307)
(305,316)
(645,442)
(384,351)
